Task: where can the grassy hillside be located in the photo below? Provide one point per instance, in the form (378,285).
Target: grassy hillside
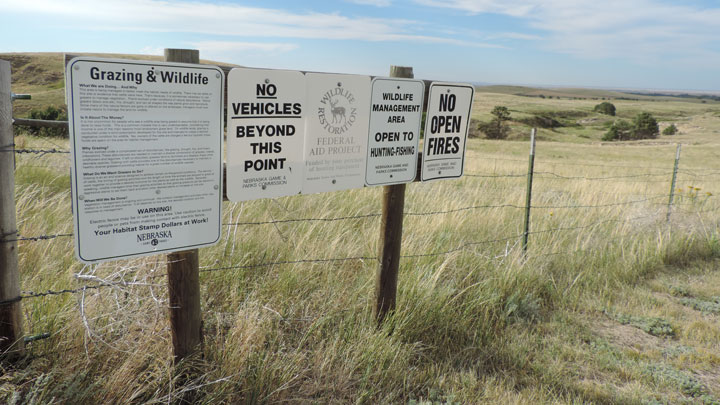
(580,124)
(43,76)
(612,304)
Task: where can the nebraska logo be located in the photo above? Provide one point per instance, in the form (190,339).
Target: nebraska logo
(154,236)
(337,112)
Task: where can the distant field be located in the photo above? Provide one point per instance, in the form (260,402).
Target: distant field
(580,93)
(612,304)
(41,74)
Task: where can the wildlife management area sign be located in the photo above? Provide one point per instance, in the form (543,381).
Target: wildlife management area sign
(146,144)
(395,116)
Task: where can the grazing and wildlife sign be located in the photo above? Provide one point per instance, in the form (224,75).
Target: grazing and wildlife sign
(336,128)
(146,143)
(266,131)
(395,117)
(446,126)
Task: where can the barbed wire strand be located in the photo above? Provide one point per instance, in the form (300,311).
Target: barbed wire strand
(712,171)
(374,215)
(35,151)
(464,246)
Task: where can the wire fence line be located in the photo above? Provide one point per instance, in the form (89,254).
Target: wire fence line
(609,164)
(375,215)
(696,174)
(33,151)
(411,214)
(711,171)
(559,176)
(462,247)
(37,238)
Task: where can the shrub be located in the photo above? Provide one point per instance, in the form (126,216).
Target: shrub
(496,128)
(646,127)
(50,113)
(541,121)
(619,131)
(671,130)
(605,108)
(501,113)
(474,130)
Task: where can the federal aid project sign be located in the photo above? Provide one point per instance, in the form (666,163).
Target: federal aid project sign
(446,126)
(336,132)
(266,133)
(146,144)
(395,116)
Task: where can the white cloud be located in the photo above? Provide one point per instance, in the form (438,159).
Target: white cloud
(376,3)
(516,35)
(151,50)
(508,7)
(647,31)
(225,19)
(233,46)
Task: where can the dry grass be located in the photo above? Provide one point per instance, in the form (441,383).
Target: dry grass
(472,325)
(477,322)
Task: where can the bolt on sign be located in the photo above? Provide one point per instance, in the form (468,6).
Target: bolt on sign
(146,146)
(395,117)
(266,131)
(446,127)
(336,132)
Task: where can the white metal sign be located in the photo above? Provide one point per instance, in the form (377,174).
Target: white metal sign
(446,126)
(336,132)
(265,133)
(395,116)
(146,143)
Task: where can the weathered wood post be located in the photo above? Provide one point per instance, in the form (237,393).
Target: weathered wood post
(183,271)
(11,334)
(390,234)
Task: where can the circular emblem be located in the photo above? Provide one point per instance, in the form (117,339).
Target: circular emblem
(337,111)
(154,242)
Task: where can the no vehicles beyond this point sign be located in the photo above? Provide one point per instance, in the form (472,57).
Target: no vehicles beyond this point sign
(266,132)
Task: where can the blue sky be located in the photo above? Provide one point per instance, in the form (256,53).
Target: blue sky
(644,44)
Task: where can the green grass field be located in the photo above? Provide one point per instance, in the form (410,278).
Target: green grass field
(611,305)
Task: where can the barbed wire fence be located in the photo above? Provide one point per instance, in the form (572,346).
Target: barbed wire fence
(696,204)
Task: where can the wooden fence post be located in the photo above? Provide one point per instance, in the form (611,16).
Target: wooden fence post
(11,334)
(528,193)
(672,184)
(183,271)
(390,234)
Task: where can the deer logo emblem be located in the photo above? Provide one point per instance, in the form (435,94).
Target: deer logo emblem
(338,113)
(337,110)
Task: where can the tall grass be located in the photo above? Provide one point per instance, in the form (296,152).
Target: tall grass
(303,331)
